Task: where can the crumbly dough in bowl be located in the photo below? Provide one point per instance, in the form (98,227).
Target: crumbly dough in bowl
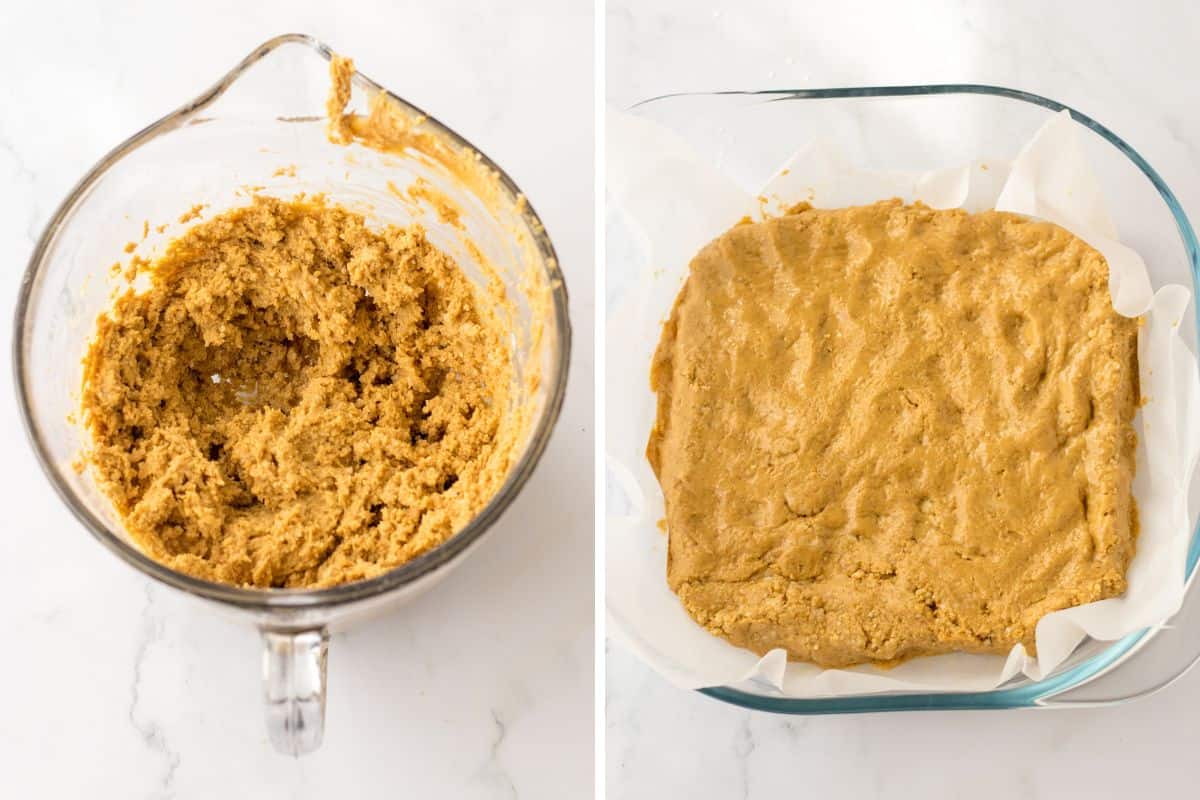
(298,400)
(294,396)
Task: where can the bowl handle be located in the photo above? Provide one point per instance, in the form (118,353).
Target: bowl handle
(294,688)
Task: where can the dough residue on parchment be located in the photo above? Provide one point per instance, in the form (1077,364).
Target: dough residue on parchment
(298,400)
(889,431)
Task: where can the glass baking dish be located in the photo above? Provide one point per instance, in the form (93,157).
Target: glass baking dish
(749,134)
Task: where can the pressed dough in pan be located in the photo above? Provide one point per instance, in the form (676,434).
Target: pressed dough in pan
(889,431)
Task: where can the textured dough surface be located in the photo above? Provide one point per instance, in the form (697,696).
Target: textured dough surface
(297,400)
(889,431)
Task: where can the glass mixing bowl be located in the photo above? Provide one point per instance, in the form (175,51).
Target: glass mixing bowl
(262,128)
(747,135)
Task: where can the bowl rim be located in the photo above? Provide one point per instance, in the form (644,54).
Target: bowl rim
(253,599)
(1035,693)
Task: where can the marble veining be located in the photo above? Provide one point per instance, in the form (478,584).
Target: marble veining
(150,635)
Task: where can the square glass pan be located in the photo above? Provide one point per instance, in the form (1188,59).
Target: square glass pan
(749,134)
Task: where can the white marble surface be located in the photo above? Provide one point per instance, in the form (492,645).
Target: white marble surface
(1130,66)
(118,688)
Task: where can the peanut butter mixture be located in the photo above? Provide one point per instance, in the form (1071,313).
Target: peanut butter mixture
(890,431)
(298,400)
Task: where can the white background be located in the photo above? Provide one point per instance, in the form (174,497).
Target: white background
(117,688)
(1134,67)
